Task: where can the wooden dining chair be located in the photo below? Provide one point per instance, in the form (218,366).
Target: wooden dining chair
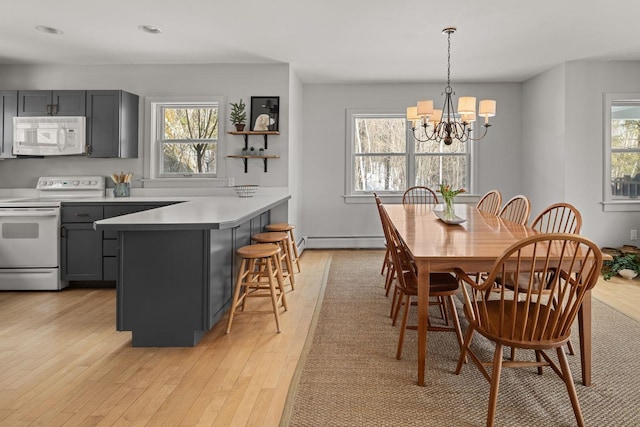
(556,218)
(419,195)
(387,262)
(443,286)
(525,317)
(517,210)
(490,202)
(394,267)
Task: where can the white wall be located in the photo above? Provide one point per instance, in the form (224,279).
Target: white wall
(586,84)
(328,221)
(232,81)
(296,154)
(563,143)
(543,139)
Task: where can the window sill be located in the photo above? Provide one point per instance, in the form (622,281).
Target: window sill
(632,205)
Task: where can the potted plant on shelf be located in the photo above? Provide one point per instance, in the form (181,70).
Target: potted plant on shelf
(238,115)
(627,266)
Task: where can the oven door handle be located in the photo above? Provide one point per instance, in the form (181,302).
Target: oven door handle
(30,214)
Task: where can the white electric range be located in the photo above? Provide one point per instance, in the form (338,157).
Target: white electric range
(30,232)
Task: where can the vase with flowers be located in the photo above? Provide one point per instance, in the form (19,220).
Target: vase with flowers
(448,194)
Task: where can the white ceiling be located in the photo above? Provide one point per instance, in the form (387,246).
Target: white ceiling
(329,40)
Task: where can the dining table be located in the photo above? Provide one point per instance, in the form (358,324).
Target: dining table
(472,240)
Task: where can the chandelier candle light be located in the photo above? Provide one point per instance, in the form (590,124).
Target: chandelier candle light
(447,124)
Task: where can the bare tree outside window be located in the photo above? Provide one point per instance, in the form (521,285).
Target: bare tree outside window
(380,146)
(386,157)
(189,140)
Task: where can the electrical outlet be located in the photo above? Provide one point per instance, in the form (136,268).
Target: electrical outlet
(634,235)
(231,182)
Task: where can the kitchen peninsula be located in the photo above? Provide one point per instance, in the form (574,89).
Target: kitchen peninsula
(177,263)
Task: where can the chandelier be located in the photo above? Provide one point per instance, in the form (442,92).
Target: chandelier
(448,124)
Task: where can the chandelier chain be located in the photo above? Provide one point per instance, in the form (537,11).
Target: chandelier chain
(448,59)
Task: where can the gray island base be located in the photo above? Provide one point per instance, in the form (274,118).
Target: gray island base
(176,264)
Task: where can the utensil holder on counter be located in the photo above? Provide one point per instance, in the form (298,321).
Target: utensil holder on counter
(122,189)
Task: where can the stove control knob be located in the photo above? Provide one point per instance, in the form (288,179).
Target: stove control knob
(76,182)
(85,182)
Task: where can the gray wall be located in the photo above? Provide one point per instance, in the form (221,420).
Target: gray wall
(328,220)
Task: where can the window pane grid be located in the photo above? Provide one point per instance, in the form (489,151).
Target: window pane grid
(385,157)
(624,149)
(188,139)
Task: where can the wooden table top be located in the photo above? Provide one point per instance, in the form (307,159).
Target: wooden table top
(482,237)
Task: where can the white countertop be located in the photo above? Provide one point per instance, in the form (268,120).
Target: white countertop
(197,212)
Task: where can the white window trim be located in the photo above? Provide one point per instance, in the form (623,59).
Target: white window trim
(394,196)
(609,204)
(151,151)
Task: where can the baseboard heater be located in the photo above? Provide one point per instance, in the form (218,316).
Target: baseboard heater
(347,242)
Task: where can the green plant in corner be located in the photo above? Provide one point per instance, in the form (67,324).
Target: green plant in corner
(238,115)
(620,262)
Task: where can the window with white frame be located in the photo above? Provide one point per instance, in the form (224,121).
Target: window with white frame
(185,138)
(385,157)
(622,146)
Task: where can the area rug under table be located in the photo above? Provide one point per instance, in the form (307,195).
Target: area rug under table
(350,376)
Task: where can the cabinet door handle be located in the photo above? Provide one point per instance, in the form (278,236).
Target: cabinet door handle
(87,149)
(63,233)
(83,215)
(54,109)
(49,109)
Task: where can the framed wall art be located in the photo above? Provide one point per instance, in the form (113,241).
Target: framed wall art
(265,113)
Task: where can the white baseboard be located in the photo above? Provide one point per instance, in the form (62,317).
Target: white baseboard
(344,242)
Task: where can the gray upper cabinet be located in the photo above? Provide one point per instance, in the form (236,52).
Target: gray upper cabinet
(112,124)
(51,103)
(8,110)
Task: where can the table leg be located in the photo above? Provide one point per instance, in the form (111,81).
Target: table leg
(584,328)
(424,268)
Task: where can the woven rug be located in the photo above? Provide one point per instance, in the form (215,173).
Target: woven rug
(350,376)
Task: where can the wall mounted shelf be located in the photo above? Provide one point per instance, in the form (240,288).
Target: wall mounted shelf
(245,135)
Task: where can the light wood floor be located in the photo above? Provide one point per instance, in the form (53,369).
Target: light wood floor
(63,363)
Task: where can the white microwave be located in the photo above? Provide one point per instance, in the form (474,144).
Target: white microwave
(49,135)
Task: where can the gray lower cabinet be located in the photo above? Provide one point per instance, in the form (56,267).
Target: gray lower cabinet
(86,254)
(112,124)
(51,103)
(80,244)
(8,110)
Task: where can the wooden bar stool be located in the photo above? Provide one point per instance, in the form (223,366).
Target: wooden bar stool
(260,275)
(289,229)
(282,240)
